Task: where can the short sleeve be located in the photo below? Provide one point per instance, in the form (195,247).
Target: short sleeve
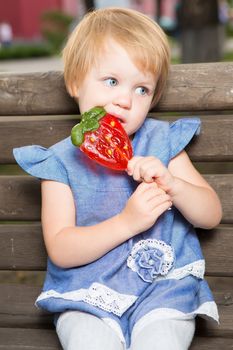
(41,162)
(181,133)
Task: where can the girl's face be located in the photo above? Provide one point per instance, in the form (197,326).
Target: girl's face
(117,85)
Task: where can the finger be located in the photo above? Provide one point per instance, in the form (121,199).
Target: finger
(148,174)
(139,164)
(152,191)
(131,164)
(146,169)
(151,169)
(158,200)
(161,208)
(144,186)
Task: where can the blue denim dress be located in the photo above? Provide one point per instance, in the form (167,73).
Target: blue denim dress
(159,270)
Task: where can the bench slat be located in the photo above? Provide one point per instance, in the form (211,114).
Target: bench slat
(199,87)
(22,248)
(34,93)
(204,343)
(20,196)
(17,308)
(215,142)
(28,339)
(191,87)
(44,339)
(217,247)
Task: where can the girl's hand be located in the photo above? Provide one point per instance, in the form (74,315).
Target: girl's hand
(151,169)
(144,207)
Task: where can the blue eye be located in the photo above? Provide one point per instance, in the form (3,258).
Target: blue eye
(141,90)
(111,82)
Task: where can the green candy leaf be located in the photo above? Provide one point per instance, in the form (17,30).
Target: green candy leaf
(89,122)
(96,113)
(77,136)
(90,125)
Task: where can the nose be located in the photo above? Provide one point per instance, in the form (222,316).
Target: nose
(123,100)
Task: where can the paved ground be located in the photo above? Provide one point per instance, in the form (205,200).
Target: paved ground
(55,63)
(31,65)
(45,64)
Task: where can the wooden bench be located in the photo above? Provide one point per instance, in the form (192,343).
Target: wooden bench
(35,109)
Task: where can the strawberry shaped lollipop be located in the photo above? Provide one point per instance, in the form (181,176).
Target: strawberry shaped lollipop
(102,138)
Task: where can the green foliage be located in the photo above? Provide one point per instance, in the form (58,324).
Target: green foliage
(229,25)
(55,28)
(24,51)
(228,56)
(229,30)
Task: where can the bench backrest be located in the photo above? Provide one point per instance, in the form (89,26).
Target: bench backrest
(35,109)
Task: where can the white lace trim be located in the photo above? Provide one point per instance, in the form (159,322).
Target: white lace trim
(196,268)
(152,244)
(98,295)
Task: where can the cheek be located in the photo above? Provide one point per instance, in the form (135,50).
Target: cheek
(94,97)
(85,101)
(134,126)
(141,111)
(145,109)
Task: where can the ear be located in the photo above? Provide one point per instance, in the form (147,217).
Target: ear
(73,90)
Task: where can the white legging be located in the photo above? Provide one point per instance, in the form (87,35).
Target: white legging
(82,331)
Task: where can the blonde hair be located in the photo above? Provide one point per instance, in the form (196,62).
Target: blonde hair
(140,36)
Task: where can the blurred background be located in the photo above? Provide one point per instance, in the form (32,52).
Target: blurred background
(32,32)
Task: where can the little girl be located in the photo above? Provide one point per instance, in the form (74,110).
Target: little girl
(123,270)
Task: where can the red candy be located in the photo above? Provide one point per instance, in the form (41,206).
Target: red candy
(102,138)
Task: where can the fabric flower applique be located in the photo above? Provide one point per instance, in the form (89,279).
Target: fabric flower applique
(151,258)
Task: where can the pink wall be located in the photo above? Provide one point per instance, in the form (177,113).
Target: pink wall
(70,6)
(30,13)
(24,15)
(9,12)
(148,7)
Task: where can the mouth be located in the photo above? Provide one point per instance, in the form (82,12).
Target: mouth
(121,119)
